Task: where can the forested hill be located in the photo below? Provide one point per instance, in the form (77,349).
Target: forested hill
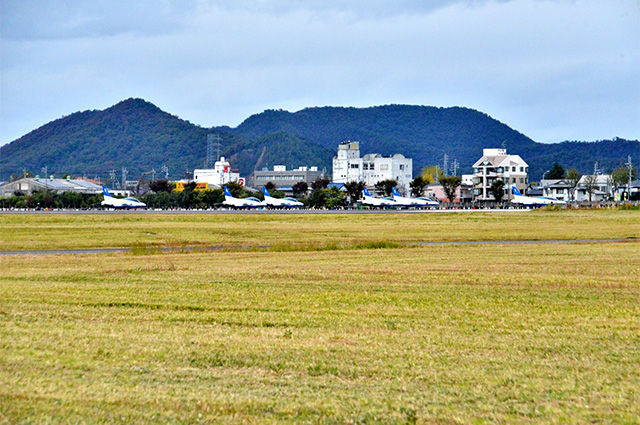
(426,133)
(139,136)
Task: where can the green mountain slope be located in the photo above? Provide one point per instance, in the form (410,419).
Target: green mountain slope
(427,133)
(139,136)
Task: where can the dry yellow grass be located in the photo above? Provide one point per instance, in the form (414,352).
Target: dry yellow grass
(542,333)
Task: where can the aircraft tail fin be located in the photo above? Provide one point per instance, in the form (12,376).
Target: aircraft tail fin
(515,191)
(395,191)
(265,191)
(226,192)
(105,191)
(366,191)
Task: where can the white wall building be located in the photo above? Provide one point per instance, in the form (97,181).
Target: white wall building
(219,175)
(494,165)
(348,166)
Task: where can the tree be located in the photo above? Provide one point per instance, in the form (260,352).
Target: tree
(300,188)
(572,178)
(449,185)
(590,184)
(555,173)
(320,184)
(417,186)
(160,185)
(270,186)
(431,174)
(386,186)
(354,189)
(620,176)
(497,190)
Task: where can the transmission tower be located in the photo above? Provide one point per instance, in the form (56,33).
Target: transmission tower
(444,168)
(44,171)
(213,142)
(165,170)
(112,175)
(124,178)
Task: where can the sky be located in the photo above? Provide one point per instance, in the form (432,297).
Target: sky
(554,70)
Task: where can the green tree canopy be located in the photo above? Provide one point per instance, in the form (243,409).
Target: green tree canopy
(449,185)
(386,186)
(555,173)
(497,190)
(417,186)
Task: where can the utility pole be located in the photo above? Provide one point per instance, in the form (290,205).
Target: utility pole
(628,164)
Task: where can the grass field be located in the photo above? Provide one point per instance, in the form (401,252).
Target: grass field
(346,334)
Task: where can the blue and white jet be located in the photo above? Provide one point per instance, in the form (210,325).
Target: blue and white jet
(519,198)
(120,203)
(412,202)
(369,200)
(231,201)
(280,202)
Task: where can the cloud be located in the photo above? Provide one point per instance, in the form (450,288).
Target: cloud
(553,69)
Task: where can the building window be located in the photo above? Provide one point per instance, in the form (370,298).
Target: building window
(354,165)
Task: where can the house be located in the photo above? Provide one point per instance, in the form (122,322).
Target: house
(600,185)
(556,188)
(494,165)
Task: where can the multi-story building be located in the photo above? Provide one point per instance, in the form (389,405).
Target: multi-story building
(372,168)
(494,165)
(221,173)
(283,178)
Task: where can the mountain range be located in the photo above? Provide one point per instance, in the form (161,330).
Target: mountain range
(141,137)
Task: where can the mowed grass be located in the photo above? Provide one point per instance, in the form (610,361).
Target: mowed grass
(536,333)
(300,231)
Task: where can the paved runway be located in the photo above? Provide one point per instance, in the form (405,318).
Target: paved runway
(273,211)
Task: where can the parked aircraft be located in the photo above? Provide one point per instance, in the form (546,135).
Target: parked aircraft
(231,201)
(280,202)
(124,203)
(369,200)
(413,202)
(519,198)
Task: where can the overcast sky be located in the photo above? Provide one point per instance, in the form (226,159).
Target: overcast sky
(552,69)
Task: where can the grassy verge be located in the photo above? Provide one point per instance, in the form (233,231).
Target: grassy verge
(306,230)
(440,334)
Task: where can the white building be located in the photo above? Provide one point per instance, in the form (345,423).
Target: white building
(219,175)
(348,166)
(494,165)
(601,188)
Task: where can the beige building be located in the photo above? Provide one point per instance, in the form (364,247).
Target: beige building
(494,165)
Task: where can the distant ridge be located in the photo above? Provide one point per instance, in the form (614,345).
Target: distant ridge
(141,137)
